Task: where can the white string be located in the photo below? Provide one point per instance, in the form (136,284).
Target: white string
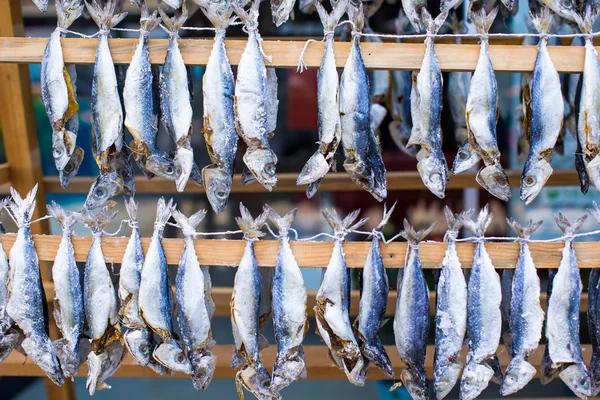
(64,30)
(40,219)
(218,233)
(104,233)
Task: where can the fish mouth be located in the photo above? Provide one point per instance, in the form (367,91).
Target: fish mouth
(138,344)
(160,164)
(217,184)
(434,174)
(314,169)
(256,380)
(535,176)
(184,160)
(203,367)
(493,179)
(518,374)
(475,378)
(67,174)
(170,355)
(465,159)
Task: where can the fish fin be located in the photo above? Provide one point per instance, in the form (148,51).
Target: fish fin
(65,218)
(566,227)
(477,226)
(337,224)
(543,20)
(590,14)
(413,236)
(250,226)
(188,224)
(523,231)
(163,211)
(482,21)
(433,25)
(330,20)
(250,17)
(175,23)
(104,17)
(282,223)
(66,14)
(132,209)
(386,215)
(98,221)
(148,21)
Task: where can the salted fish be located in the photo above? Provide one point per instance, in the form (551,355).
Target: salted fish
(138,338)
(289,308)
(566,9)
(451,313)
(426,112)
(526,314)
(593,317)
(218,106)
(328,106)
(373,303)
(484,319)
(68,295)
(256,102)
(154,296)
(245,309)
(26,304)
(547,371)
(562,320)
(363,160)
(411,321)
(281,10)
(413,10)
(194,317)
(333,304)
(482,114)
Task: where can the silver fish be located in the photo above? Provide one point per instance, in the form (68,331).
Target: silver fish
(101,305)
(451,313)
(138,338)
(333,304)
(562,320)
(281,10)
(254,101)
(373,303)
(154,297)
(547,371)
(363,160)
(289,308)
(411,321)
(484,319)
(245,317)
(219,114)
(426,112)
(482,114)
(526,314)
(329,124)
(547,113)
(26,304)
(413,10)
(68,295)
(193,315)
(564,9)
(593,317)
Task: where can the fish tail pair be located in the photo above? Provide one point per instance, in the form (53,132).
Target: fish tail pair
(524,230)
(251,226)
(480,224)
(340,225)
(568,228)
(413,236)
(175,23)
(218,14)
(482,21)
(65,218)
(105,16)
(189,224)
(330,20)
(97,222)
(284,223)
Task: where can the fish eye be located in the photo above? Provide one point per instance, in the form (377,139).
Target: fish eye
(221,194)
(530,180)
(169,170)
(144,348)
(266,383)
(68,168)
(435,178)
(99,193)
(463,155)
(270,169)
(57,152)
(180,358)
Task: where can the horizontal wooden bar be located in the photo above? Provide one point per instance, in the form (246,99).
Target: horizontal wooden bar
(401,56)
(317,254)
(286,182)
(319,365)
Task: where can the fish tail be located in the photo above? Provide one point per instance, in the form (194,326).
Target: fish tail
(163,211)
(67,11)
(413,236)
(188,224)
(65,218)
(483,22)
(386,215)
(590,14)
(477,226)
(250,17)
(251,226)
(357,16)
(595,212)
(147,21)
(566,227)
(132,208)
(174,24)
(105,17)
(282,223)
(454,220)
(21,208)
(99,221)
(523,231)
(542,20)
(337,224)
(219,16)
(330,20)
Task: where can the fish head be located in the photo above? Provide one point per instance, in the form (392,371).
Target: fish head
(96,363)
(446,378)
(434,173)
(518,374)
(593,170)
(138,343)
(415,383)
(103,189)
(261,162)
(204,369)
(72,167)
(184,162)
(315,168)
(170,355)
(493,179)
(63,143)
(475,378)
(68,355)
(535,175)
(465,158)
(160,164)
(576,377)
(256,380)
(217,182)
(42,353)
(282,13)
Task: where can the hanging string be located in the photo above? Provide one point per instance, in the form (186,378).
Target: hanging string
(326,35)
(104,233)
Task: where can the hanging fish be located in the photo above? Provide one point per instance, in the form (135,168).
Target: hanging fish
(100,305)
(107,112)
(154,297)
(547,371)
(218,107)
(328,106)
(254,102)
(413,10)
(564,8)
(506,283)
(333,304)
(193,316)
(26,304)
(68,295)
(484,319)
(363,160)
(245,309)
(451,312)
(562,320)
(138,338)
(593,317)
(580,164)
(289,308)
(426,111)
(411,321)
(373,303)
(482,114)
(281,10)
(59,93)
(547,113)
(526,314)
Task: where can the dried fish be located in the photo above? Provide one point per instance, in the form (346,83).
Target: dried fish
(373,303)
(564,8)
(333,304)
(281,10)
(26,304)
(194,316)
(593,318)
(547,371)
(245,317)
(526,314)
(411,321)
(484,319)
(289,308)
(451,313)
(414,8)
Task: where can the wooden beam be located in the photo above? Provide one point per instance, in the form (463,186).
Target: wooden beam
(317,254)
(402,56)
(286,182)
(319,365)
